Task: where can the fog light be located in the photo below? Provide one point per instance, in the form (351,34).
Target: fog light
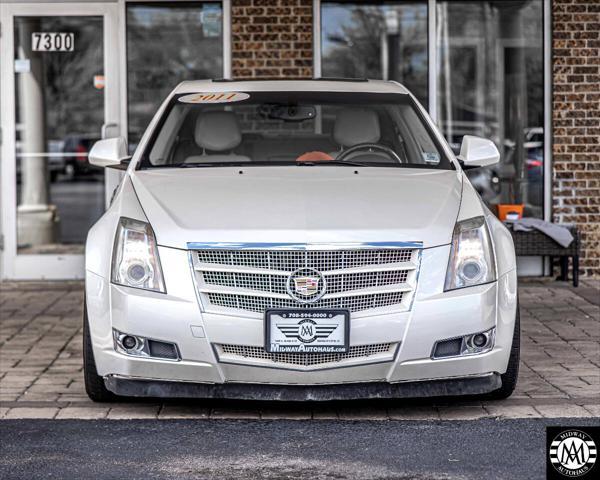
(129,342)
(473,344)
(479,340)
(136,346)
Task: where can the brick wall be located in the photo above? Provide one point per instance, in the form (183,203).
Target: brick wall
(271,38)
(576,122)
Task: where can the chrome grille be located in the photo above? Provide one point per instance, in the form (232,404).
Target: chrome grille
(254,280)
(305,359)
(260,304)
(290,260)
(276,283)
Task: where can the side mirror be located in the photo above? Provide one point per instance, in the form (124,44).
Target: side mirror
(109,152)
(478,152)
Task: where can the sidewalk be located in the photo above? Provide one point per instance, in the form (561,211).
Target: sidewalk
(41,368)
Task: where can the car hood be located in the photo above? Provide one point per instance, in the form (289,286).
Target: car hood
(299,205)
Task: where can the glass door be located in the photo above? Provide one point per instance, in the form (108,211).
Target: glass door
(60,94)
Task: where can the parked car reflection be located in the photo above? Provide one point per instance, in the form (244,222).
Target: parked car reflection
(76,148)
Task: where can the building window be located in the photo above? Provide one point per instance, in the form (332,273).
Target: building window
(491,83)
(166,44)
(489,68)
(386,39)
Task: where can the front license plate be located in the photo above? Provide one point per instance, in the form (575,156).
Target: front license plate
(307,331)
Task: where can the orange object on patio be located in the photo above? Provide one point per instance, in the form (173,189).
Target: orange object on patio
(505,209)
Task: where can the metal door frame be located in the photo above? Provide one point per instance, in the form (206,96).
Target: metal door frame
(48,266)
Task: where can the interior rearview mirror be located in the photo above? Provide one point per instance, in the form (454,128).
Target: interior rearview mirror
(478,152)
(109,152)
(289,113)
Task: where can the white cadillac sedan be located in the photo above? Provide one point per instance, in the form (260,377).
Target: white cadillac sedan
(298,240)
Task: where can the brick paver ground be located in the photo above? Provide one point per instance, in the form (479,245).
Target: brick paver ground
(41,367)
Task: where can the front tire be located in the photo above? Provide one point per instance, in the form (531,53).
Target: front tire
(94,383)
(509,378)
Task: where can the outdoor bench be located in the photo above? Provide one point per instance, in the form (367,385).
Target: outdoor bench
(535,243)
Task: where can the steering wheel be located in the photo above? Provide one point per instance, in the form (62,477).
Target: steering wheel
(369,146)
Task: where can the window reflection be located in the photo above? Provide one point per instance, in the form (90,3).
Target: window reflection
(490,83)
(383,40)
(166,44)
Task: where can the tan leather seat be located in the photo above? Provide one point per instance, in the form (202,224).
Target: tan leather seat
(218,132)
(354,126)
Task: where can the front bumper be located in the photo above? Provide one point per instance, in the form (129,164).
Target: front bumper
(474,385)
(176,317)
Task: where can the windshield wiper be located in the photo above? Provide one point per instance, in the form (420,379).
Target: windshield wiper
(300,164)
(334,162)
(193,165)
(217,164)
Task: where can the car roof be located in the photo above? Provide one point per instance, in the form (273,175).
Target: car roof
(316,85)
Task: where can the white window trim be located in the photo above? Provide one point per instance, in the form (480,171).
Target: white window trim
(317,39)
(548,164)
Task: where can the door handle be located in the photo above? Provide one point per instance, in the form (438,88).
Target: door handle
(105,127)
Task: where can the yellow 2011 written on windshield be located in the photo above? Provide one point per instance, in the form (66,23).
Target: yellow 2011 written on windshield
(215,97)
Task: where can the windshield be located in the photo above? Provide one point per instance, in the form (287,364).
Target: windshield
(293,128)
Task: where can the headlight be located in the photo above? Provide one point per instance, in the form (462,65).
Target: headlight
(135,261)
(471,255)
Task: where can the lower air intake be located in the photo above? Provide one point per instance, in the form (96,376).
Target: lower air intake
(448,348)
(162,350)
(306,359)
